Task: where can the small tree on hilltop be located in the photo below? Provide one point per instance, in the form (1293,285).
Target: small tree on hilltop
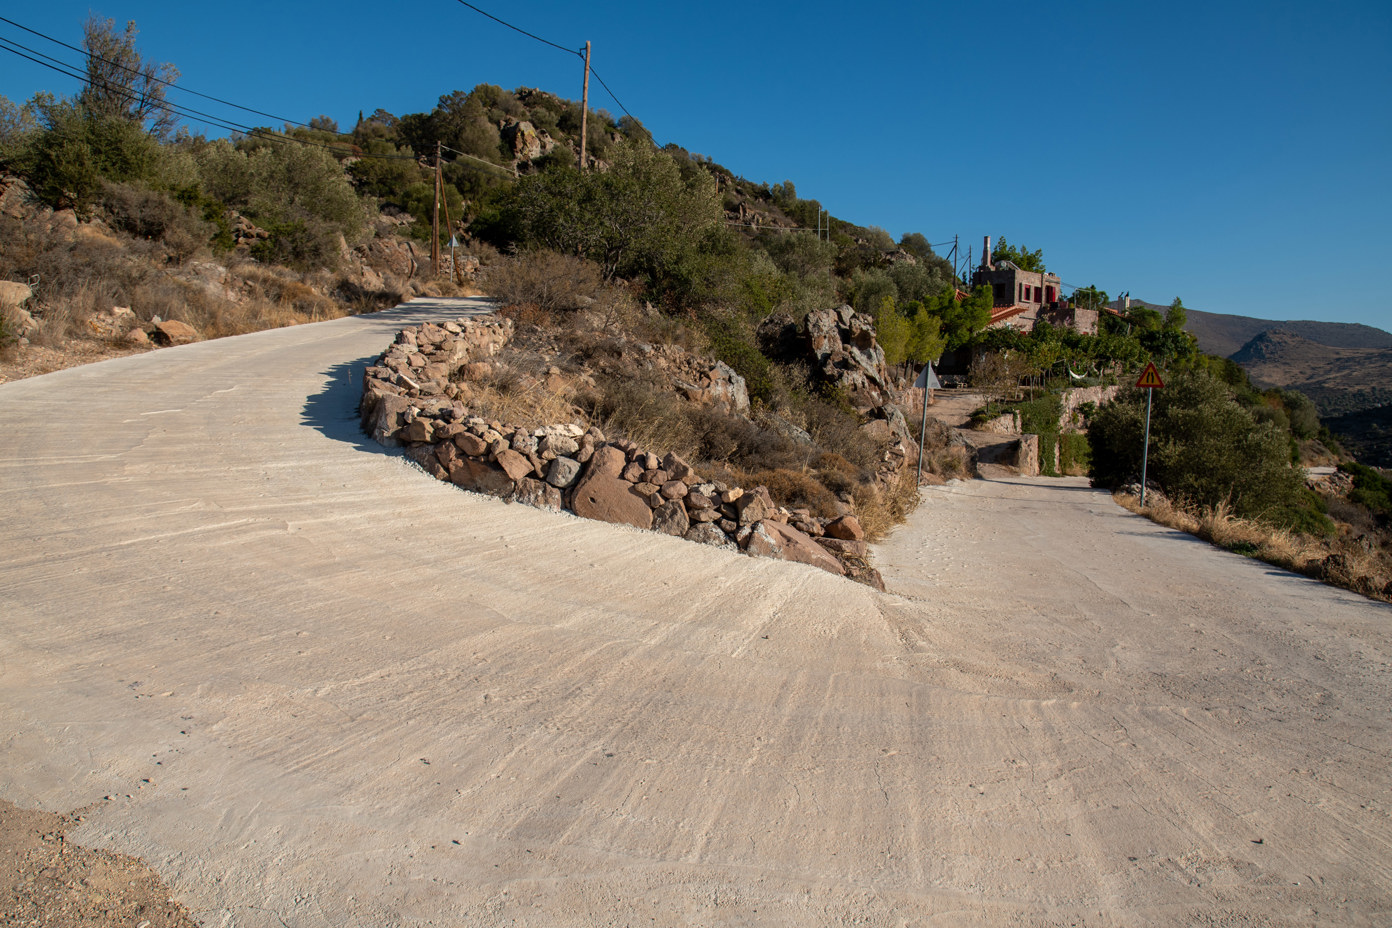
(120,83)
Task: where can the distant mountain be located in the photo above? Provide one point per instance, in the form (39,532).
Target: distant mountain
(1339,380)
(1224,335)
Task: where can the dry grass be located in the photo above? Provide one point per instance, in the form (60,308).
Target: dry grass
(879,511)
(1346,562)
(520,398)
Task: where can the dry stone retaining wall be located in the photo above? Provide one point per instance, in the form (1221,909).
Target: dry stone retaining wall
(411,400)
(1070,418)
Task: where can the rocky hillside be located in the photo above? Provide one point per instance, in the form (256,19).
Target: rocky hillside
(1342,367)
(1338,380)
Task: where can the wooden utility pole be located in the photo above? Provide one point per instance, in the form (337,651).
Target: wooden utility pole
(585,107)
(435,223)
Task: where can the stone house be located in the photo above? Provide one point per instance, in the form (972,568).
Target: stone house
(1023,298)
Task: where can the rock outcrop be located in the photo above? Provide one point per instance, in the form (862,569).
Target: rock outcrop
(840,347)
(524,140)
(413,397)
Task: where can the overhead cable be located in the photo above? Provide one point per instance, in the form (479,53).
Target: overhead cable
(160,80)
(519,29)
(610,92)
(188,112)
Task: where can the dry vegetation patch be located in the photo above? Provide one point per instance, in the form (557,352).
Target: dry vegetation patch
(1357,561)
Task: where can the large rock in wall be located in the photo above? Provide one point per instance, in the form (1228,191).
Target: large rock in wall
(411,400)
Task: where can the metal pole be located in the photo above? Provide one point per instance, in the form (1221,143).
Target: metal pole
(922,430)
(435,221)
(1145,454)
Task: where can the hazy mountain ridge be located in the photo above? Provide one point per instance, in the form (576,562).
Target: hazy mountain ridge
(1225,335)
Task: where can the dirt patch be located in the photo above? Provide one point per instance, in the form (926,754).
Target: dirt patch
(47,880)
(20,361)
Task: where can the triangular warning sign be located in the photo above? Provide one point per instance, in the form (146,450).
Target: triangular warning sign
(1150,378)
(927,379)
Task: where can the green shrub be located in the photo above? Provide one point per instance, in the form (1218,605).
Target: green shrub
(157,216)
(1205,449)
(1075,454)
(67,161)
(1370,488)
(299,194)
(733,342)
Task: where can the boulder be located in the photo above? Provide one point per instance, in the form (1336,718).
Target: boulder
(13,293)
(846,528)
(843,351)
(783,542)
(514,464)
(524,141)
(707,534)
(677,469)
(533,492)
(173,332)
(671,518)
(841,547)
(608,460)
(471,444)
(387,418)
(562,472)
(754,506)
(699,501)
(419,429)
(447,453)
(558,445)
(607,497)
(481,477)
(20,323)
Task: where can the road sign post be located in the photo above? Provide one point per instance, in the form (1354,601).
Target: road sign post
(927,380)
(1150,382)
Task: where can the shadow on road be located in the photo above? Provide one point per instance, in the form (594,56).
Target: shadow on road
(1030,483)
(334,410)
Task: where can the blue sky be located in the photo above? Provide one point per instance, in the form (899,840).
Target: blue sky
(1234,154)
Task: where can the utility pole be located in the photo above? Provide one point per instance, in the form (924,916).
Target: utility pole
(435,222)
(585,108)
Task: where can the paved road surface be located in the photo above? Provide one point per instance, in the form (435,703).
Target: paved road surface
(320,689)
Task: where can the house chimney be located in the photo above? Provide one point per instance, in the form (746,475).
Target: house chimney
(986,253)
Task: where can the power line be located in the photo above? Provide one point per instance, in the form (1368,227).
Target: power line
(482,161)
(136,71)
(608,91)
(554,45)
(529,35)
(188,112)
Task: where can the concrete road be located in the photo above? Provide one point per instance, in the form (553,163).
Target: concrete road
(313,687)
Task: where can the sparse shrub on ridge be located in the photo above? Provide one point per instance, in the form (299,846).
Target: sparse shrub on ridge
(550,281)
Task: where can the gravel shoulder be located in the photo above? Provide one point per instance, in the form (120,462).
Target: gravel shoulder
(308,685)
